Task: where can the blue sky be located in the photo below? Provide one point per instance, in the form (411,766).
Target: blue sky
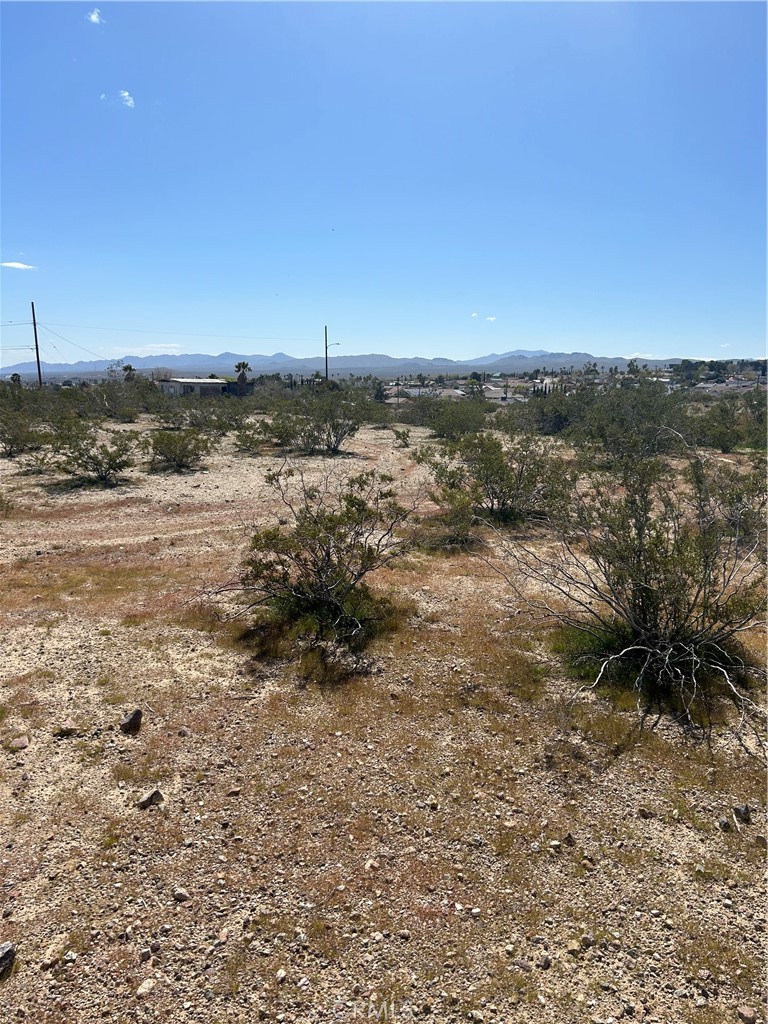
(427,179)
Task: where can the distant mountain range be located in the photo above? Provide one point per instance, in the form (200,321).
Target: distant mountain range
(520,360)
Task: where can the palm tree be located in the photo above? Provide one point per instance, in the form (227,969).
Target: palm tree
(242,369)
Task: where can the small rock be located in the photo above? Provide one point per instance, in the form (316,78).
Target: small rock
(181,895)
(587,940)
(235,791)
(145,988)
(743,814)
(404,934)
(475,911)
(761,842)
(747,1014)
(65,729)
(724,825)
(131,724)
(544,962)
(153,796)
(184,731)
(643,812)
(144,955)
(573,947)
(7,958)
(20,743)
(281,976)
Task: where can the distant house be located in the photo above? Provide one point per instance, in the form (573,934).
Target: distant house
(201,387)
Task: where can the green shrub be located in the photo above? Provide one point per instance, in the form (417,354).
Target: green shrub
(661,575)
(176,450)
(306,575)
(82,453)
(506,480)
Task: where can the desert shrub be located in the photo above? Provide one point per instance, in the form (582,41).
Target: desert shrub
(417,412)
(19,433)
(93,457)
(631,420)
(452,419)
(452,527)
(320,420)
(306,576)
(507,480)
(660,577)
(176,450)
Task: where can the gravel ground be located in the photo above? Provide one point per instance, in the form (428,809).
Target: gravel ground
(445,836)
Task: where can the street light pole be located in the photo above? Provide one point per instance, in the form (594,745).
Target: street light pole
(326,351)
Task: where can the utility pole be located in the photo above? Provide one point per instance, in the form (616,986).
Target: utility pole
(37,349)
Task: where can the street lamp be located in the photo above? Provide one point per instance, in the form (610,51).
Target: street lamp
(327,346)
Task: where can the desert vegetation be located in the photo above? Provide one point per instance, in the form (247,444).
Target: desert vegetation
(464,716)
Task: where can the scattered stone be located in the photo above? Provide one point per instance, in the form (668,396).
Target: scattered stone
(475,911)
(184,731)
(544,962)
(404,934)
(153,796)
(761,842)
(181,895)
(145,988)
(743,814)
(144,955)
(587,940)
(131,724)
(747,1014)
(573,947)
(66,729)
(432,803)
(643,812)
(281,976)
(724,825)
(235,791)
(7,958)
(569,840)
(20,743)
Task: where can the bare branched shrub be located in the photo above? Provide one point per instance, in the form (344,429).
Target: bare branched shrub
(657,579)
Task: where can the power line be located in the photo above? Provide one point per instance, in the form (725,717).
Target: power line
(68,342)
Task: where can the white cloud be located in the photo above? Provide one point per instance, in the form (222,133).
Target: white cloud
(95,17)
(18,266)
(727,345)
(640,355)
(103,96)
(126,98)
(475,316)
(492,319)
